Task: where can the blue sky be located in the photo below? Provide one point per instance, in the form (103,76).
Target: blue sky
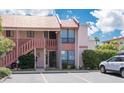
(105,24)
(84,15)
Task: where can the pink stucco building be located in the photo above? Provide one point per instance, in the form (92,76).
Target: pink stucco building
(54,42)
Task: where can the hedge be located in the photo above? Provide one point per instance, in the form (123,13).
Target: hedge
(65,65)
(92,58)
(26,61)
(4,72)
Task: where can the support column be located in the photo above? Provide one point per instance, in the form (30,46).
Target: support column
(48,58)
(17,47)
(35,58)
(59,59)
(44,58)
(59,50)
(77,65)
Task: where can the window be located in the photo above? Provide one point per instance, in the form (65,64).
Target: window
(71,36)
(111,59)
(46,34)
(64,36)
(30,33)
(9,33)
(71,55)
(68,58)
(122,59)
(68,36)
(50,34)
(64,55)
(116,59)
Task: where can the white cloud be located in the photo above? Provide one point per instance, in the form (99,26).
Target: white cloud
(103,35)
(109,20)
(122,33)
(115,37)
(67,16)
(37,12)
(92,28)
(69,11)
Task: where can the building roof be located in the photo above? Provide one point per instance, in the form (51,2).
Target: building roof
(69,23)
(114,39)
(30,21)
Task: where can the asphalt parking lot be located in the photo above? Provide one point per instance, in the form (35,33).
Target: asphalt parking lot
(82,77)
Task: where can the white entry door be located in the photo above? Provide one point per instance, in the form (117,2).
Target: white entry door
(40,59)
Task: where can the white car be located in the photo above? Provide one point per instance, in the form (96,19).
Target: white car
(115,64)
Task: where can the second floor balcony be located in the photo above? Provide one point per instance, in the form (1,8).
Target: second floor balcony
(36,39)
(36,43)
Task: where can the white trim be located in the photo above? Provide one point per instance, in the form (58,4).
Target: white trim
(58,19)
(79,77)
(44,78)
(75,19)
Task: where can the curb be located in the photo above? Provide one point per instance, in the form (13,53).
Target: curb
(54,71)
(69,71)
(3,79)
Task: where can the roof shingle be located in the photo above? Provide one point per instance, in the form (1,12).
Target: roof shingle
(30,21)
(68,23)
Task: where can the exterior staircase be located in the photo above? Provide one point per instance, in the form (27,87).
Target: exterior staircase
(25,48)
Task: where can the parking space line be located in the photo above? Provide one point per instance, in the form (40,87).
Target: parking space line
(79,77)
(44,78)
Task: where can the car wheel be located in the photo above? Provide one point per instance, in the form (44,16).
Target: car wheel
(102,69)
(122,73)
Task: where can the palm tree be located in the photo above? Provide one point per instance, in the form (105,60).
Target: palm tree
(96,39)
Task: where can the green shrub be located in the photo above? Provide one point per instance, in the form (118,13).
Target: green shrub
(4,72)
(92,58)
(121,48)
(108,47)
(26,61)
(6,45)
(65,65)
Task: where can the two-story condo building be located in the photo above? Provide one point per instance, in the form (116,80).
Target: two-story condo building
(119,42)
(53,41)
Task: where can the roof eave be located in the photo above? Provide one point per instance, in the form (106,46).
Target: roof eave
(76,21)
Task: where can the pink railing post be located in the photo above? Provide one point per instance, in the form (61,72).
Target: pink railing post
(51,43)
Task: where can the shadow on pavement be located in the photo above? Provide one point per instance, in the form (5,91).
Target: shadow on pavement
(114,74)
